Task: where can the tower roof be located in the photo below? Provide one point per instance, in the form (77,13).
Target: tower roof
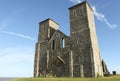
(51,23)
(84,2)
(48,20)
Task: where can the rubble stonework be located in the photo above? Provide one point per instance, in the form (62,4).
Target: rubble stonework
(105,69)
(76,55)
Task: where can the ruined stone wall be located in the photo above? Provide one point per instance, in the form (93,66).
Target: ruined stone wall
(55,67)
(36,60)
(76,55)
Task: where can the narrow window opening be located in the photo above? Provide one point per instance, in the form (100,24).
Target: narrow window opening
(53,44)
(63,42)
(48,32)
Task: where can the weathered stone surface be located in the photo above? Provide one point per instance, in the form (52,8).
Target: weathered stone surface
(76,55)
(105,69)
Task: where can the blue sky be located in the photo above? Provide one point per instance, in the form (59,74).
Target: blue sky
(19,31)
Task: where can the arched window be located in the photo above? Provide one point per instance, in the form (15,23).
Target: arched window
(63,42)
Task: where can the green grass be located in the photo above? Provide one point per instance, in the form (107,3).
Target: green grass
(111,78)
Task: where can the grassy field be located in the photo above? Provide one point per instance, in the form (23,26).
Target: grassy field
(111,78)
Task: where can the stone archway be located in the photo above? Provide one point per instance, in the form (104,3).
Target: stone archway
(59,67)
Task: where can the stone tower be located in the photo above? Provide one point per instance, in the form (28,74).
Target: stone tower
(83,34)
(46,30)
(76,55)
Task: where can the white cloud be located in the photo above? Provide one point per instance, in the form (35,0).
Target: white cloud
(101,17)
(75,1)
(16,61)
(18,34)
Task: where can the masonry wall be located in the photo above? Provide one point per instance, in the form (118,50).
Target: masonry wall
(94,43)
(76,55)
(58,67)
(86,57)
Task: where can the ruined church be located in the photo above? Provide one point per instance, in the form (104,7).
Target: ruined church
(77,55)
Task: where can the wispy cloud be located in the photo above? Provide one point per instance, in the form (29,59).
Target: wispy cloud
(75,1)
(101,17)
(19,35)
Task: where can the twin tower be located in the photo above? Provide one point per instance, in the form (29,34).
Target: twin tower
(77,55)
